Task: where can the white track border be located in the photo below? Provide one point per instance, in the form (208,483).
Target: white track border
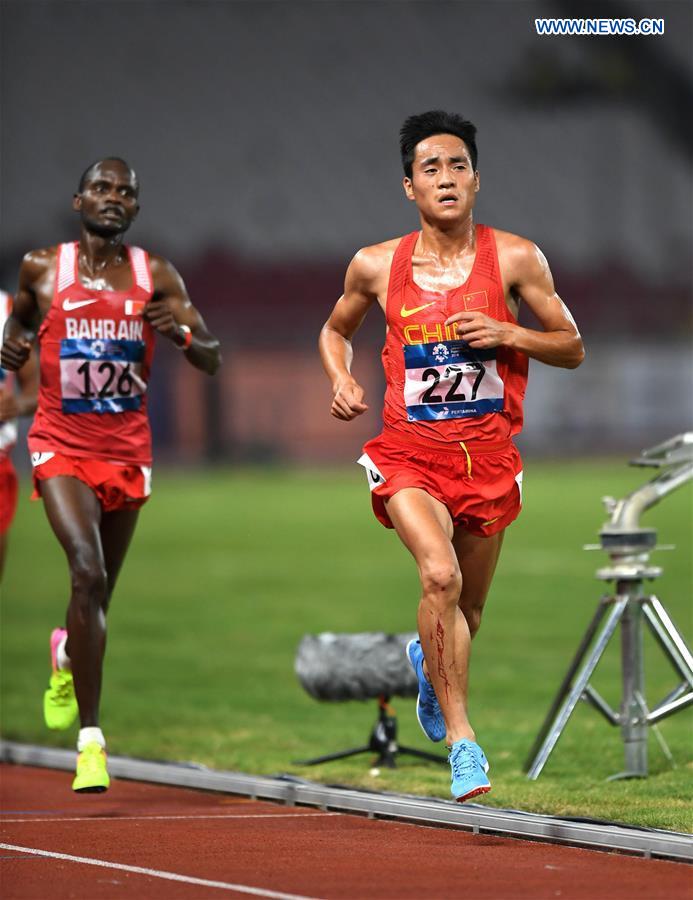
(156,873)
(421,810)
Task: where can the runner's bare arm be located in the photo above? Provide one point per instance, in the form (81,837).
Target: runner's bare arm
(528,276)
(170,307)
(22,324)
(336,335)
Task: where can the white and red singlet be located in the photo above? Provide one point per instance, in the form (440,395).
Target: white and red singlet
(96,352)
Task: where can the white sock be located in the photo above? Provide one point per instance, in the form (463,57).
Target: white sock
(61,657)
(88,736)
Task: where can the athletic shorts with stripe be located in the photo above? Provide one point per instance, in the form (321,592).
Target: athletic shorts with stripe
(481,486)
(116,485)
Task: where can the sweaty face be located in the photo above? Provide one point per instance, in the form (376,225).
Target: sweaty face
(108,201)
(443,183)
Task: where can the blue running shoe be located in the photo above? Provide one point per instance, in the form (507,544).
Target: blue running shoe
(427,707)
(469,767)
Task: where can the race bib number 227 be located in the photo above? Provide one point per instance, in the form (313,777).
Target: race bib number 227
(450,380)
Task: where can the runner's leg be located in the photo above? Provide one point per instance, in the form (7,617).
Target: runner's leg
(477,558)
(425,528)
(74,514)
(117,529)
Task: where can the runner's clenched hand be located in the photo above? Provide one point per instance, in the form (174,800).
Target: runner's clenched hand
(158,313)
(14,353)
(481,331)
(348,401)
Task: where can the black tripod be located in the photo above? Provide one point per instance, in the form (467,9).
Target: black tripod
(382,740)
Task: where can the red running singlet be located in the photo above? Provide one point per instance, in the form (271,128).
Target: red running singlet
(8,429)
(439,389)
(96,352)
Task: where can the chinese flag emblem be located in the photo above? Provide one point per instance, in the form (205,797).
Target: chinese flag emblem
(475,300)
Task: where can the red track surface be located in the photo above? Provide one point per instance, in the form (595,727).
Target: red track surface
(257,848)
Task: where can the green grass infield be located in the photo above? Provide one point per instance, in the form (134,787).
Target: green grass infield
(229,569)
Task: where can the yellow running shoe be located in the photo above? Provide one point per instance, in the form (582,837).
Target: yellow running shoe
(59,701)
(92,774)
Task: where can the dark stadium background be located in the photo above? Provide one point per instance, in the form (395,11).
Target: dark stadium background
(265,138)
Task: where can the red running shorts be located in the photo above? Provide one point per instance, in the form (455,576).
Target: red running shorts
(116,485)
(8,493)
(481,487)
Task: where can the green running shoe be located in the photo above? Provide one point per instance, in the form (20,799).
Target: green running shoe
(92,774)
(59,701)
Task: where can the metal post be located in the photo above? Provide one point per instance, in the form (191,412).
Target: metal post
(670,640)
(633,724)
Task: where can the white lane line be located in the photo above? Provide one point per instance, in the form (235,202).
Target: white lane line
(156,873)
(307,815)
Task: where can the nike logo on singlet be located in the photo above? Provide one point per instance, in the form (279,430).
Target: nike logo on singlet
(404,312)
(69,305)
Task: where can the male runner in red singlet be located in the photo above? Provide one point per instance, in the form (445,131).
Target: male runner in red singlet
(95,306)
(12,405)
(445,472)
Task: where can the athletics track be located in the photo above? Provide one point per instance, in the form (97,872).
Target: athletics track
(141,841)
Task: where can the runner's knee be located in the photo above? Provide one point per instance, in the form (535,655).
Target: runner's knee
(89,581)
(441,584)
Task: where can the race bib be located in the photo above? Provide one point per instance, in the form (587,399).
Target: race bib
(450,380)
(101,376)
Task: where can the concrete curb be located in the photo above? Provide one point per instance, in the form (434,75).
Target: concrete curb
(478,819)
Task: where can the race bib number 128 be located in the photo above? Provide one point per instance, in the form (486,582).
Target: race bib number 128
(101,376)
(450,380)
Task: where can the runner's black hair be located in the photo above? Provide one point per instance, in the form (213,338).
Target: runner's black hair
(417,128)
(87,172)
